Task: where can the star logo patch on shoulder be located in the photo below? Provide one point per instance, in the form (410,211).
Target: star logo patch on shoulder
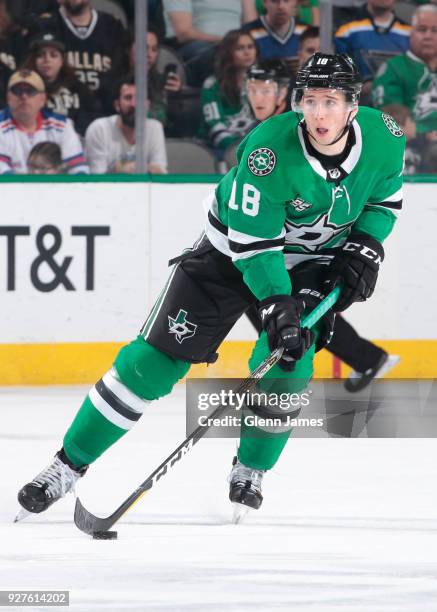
(261,161)
(391,125)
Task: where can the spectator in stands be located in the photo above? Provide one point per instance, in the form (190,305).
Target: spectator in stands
(110,141)
(309,43)
(159,85)
(45,158)
(66,95)
(277,32)
(226,112)
(406,88)
(95,42)
(24,124)
(198,26)
(375,31)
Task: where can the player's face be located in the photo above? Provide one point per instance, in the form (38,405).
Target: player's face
(263,98)
(423,40)
(279,12)
(49,62)
(25,102)
(244,52)
(308,48)
(325,112)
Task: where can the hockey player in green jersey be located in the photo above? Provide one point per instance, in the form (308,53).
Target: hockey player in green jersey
(267,83)
(310,202)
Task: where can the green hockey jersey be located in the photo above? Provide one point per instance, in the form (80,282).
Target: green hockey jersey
(279,202)
(406,80)
(223,123)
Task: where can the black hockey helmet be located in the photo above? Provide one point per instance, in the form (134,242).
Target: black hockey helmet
(274,70)
(323,70)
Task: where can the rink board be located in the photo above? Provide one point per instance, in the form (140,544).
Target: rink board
(82,261)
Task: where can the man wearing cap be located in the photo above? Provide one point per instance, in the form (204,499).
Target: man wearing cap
(24,123)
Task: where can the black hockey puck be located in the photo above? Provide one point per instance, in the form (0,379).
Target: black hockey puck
(105,535)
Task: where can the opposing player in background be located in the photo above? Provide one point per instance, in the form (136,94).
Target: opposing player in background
(308,205)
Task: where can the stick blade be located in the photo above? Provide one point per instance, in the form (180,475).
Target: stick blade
(87,522)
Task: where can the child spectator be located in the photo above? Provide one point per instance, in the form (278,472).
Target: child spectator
(45,158)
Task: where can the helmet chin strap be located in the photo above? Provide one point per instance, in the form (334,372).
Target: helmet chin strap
(339,137)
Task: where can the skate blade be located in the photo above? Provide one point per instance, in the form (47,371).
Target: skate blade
(239,514)
(21,514)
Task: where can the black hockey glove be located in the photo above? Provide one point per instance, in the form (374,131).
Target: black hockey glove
(280,318)
(356,266)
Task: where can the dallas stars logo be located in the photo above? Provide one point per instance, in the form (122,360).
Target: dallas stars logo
(313,236)
(180,327)
(261,161)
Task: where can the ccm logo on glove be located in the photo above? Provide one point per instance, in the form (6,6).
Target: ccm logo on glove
(363,250)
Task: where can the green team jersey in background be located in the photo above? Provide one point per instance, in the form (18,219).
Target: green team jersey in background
(407,80)
(223,123)
(279,202)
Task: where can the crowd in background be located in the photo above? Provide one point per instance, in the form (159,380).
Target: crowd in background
(68,94)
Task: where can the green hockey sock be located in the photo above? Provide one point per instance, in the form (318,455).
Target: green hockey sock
(141,373)
(90,435)
(261,449)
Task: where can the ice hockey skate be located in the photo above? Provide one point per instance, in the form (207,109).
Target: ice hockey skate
(53,483)
(244,489)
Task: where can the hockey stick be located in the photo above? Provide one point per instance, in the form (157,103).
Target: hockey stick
(88,523)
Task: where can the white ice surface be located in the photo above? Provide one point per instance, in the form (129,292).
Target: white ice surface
(346,525)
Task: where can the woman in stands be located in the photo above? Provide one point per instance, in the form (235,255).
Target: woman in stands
(66,95)
(226,112)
